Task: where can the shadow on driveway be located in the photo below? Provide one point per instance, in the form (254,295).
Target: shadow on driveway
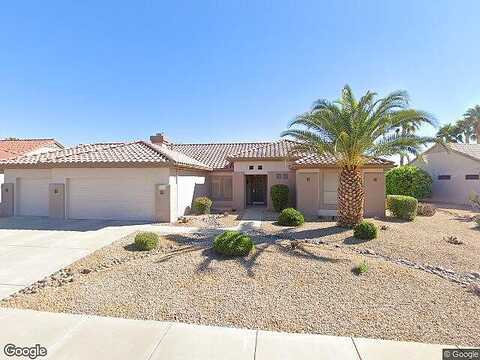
(45,223)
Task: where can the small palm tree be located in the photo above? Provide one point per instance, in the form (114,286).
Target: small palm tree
(472,115)
(352,131)
(449,133)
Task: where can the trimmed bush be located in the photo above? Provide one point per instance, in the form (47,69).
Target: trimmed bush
(366,230)
(402,207)
(279,195)
(477,220)
(290,217)
(146,241)
(410,181)
(233,243)
(426,209)
(202,205)
(360,269)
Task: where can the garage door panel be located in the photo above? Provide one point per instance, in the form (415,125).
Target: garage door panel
(33,197)
(111,198)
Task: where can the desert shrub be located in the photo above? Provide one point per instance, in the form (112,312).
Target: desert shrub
(233,243)
(202,205)
(146,241)
(402,207)
(410,181)
(361,269)
(477,220)
(290,217)
(279,195)
(426,209)
(366,230)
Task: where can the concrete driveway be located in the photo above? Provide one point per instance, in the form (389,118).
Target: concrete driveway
(34,247)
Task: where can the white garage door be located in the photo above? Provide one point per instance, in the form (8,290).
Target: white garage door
(33,197)
(111,198)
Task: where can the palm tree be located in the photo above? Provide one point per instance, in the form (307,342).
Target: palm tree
(466,129)
(449,133)
(352,131)
(408,128)
(472,115)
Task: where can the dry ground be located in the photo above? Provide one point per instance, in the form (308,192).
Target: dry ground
(308,289)
(209,221)
(423,240)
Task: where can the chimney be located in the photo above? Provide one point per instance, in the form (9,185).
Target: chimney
(159,139)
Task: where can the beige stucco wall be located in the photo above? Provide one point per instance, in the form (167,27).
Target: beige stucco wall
(118,181)
(187,185)
(317,190)
(438,161)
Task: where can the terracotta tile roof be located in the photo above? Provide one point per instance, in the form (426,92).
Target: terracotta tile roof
(215,155)
(471,150)
(315,160)
(278,149)
(12,148)
(138,152)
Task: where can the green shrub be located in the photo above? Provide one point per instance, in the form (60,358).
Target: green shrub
(410,181)
(426,209)
(477,220)
(361,269)
(202,205)
(279,195)
(290,217)
(402,207)
(146,241)
(366,230)
(233,243)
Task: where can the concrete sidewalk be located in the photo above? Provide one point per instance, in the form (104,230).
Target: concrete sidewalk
(68,336)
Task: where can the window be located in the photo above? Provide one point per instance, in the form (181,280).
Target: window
(221,188)
(260,167)
(279,176)
(285,176)
(444,177)
(472,177)
(250,167)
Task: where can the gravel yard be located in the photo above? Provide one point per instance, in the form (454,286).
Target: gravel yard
(307,289)
(209,221)
(422,241)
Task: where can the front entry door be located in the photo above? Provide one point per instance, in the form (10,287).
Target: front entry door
(256,189)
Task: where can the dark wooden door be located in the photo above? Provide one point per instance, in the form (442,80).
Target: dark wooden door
(256,189)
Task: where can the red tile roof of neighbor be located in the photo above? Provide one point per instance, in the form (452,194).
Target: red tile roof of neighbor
(198,156)
(11,148)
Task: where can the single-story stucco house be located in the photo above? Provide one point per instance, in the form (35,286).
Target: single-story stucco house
(12,148)
(158,180)
(455,170)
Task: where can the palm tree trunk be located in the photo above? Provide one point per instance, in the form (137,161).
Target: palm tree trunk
(350,197)
(477,130)
(402,160)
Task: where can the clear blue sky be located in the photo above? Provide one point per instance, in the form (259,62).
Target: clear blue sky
(208,71)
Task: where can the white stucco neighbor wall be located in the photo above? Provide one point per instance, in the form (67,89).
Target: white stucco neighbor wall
(457,190)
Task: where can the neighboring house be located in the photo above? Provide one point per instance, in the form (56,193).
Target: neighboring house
(12,148)
(455,170)
(158,180)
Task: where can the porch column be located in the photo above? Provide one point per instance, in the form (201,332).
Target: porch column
(238,191)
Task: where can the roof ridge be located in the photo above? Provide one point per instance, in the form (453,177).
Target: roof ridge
(261,147)
(158,149)
(224,143)
(28,139)
(65,156)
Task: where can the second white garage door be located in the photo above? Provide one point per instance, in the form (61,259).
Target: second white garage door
(111,198)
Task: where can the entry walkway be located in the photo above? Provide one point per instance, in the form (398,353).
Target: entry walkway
(68,336)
